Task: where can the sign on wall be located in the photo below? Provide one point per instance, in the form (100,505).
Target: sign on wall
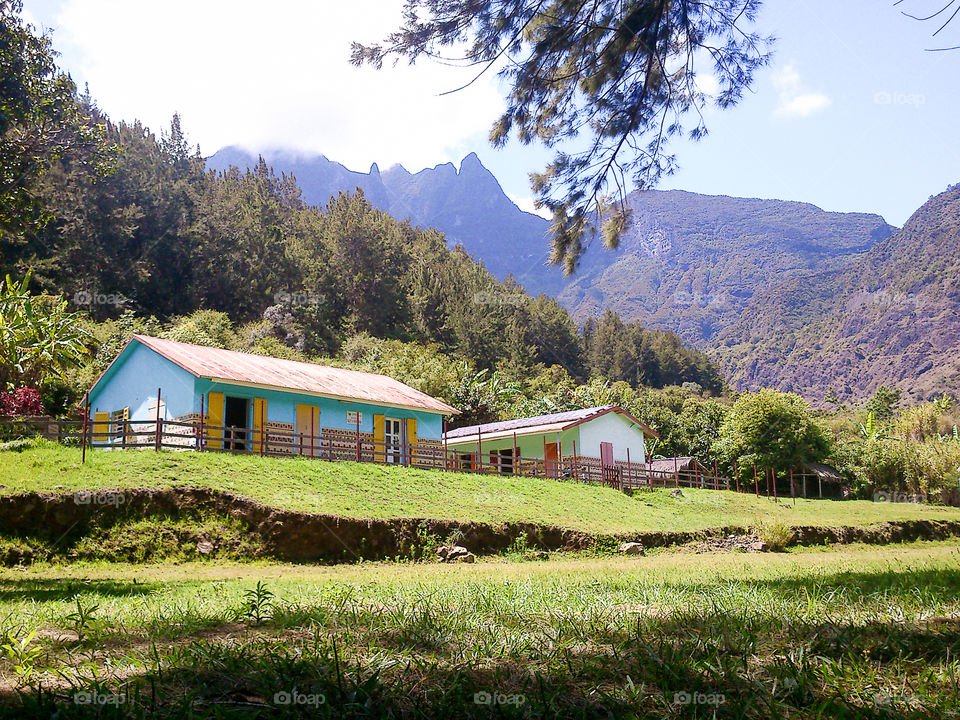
(354,417)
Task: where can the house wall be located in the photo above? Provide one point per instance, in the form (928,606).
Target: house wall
(282,407)
(611,428)
(529,446)
(616,429)
(133,380)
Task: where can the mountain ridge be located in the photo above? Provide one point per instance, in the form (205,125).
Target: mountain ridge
(780,293)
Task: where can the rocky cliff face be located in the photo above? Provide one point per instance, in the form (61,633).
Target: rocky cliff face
(890,316)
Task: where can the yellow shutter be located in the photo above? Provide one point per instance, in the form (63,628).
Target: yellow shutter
(412,438)
(379,439)
(215,423)
(259,422)
(101,427)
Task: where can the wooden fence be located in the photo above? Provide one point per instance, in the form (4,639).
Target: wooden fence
(194,435)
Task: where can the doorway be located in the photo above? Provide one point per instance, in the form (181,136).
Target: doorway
(308,430)
(551,465)
(392,440)
(235,414)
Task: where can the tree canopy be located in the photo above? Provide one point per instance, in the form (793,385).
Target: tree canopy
(771,429)
(620,76)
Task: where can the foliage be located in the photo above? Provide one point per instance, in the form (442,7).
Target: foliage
(776,535)
(624,74)
(21,401)
(82,617)
(423,367)
(626,351)
(871,429)
(257,604)
(772,430)
(39,339)
(41,121)
(883,403)
(481,397)
(22,654)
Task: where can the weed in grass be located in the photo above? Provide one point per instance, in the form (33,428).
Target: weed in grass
(257,605)
(81,619)
(22,654)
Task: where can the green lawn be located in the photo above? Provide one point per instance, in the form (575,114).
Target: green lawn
(370,491)
(845,632)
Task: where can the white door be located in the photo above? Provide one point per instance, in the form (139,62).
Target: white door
(392,439)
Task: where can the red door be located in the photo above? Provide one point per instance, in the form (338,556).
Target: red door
(550,459)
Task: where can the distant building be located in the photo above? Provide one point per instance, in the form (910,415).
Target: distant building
(564,442)
(245,398)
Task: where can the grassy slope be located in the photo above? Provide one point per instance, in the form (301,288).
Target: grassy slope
(363,490)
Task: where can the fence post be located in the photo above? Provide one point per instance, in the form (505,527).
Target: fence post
(576,469)
(773,474)
(676,472)
(736,475)
(83,439)
(157,425)
(516,458)
(200,436)
(559,458)
(793,493)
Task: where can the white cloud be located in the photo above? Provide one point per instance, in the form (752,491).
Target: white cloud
(525,203)
(276,75)
(794,99)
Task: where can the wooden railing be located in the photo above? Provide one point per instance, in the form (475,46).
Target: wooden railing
(196,436)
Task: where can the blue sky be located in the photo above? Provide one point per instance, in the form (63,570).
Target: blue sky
(852,114)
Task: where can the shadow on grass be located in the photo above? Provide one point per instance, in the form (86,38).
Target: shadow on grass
(53,589)
(437,659)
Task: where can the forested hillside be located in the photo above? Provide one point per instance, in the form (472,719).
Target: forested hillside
(687,263)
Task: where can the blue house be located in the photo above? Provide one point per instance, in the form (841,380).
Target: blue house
(243,400)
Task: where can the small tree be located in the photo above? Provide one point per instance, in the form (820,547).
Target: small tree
(772,430)
(39,339)
(883,403)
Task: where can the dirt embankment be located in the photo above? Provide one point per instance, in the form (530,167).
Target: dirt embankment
(307,537)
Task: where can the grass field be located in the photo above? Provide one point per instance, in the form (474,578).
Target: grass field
(371,491)
(818,633)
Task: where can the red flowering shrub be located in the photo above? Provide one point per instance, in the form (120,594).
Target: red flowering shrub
(22,401)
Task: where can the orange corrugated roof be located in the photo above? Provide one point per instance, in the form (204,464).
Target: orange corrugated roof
(233,366)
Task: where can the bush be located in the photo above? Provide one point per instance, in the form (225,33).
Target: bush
(775,535)
(20,402)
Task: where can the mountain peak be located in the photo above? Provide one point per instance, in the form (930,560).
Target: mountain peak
(471,163)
